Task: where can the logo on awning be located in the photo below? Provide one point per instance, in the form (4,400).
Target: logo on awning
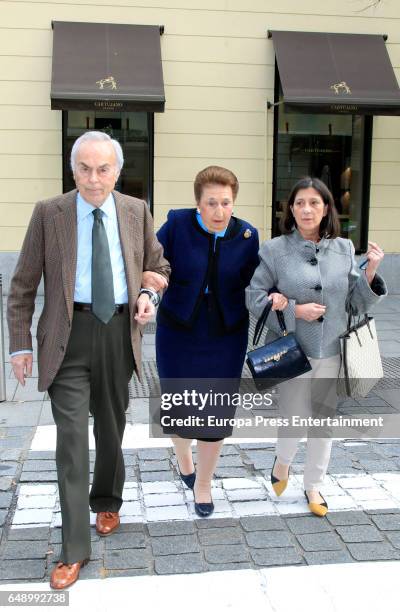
(107,83)
(342,87)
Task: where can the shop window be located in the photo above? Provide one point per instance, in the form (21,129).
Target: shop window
(134,132)
(334,148)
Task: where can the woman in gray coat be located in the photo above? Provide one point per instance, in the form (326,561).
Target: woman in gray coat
(318,279)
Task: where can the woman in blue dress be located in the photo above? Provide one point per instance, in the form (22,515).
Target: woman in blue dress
(202,321)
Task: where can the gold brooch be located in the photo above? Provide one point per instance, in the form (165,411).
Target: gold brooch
(247,234)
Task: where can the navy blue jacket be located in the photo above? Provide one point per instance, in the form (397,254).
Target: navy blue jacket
(195,264)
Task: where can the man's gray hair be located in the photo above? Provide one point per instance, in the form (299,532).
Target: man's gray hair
(97,137)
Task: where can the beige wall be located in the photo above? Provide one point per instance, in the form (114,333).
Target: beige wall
(218,71)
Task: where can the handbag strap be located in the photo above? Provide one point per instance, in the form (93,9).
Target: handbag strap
(264,316)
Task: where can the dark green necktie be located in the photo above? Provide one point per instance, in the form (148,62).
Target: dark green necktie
(103,301)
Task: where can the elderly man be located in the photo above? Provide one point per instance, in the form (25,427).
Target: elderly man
(93,246)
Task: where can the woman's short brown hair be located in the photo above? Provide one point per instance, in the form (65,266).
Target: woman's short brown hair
(215,175)
(330,224)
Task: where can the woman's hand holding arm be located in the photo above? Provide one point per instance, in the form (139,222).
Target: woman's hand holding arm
(279,301)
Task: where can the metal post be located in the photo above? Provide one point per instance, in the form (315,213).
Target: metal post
(2,364)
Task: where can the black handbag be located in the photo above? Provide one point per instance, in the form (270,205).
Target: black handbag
(279,360)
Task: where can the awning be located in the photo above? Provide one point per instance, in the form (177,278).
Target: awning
(104,66)
(336,73)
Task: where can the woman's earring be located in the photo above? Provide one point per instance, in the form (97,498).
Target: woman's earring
(198,210)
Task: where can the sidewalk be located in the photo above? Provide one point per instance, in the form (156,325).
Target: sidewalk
(251,528)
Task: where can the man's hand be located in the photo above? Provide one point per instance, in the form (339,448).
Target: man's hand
(153,280)
(309,312)
(145,309)
(22,366)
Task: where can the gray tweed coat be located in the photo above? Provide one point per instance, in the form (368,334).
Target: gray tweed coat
(324,273)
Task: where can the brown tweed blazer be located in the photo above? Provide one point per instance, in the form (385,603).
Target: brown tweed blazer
(50,248)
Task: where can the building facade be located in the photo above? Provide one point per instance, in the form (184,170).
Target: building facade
(226,88)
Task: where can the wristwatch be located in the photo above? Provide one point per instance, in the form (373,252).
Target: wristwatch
(154,297)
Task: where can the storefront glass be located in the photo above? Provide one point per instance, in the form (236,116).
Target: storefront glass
(334,148)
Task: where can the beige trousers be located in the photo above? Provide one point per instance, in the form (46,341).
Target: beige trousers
(312,394)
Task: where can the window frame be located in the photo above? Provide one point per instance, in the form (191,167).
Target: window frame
(150,129)
(366,178)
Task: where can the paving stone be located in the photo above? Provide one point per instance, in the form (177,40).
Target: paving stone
(174,545)
(42,455)
(5,483)
(226,553)
(231,472)
(38,476)
(168,529)
(220,535)
(164,499)
(159,487)
(8,468)
(179,564)
(126,540)
(11,454)
(275,556)
(107,573)
(348,518)
(129,460)
(5,500)
(132,527)
(230,449)
(55,536)
(327,556)
(154,466)
(22,569)
(36,501)
(33,465)
(157,476)
(320,541)
(246,494)
(126,558)
(262,523)
(379,551)
(33,515)
(247,508)
(3,516)
(257,445)
(38,533)
(167,513)
(393,537)
(42,489)
(25,550)
(261,459)
(94,569)
(387,522)
(239,483)
(223,567)
(230,461)
(131,509)
(360,533)
(308,524)
(268,539)
(208,523)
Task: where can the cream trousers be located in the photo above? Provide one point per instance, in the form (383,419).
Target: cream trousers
(312,394)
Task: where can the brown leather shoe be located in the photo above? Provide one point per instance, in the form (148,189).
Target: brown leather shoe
(65,574)
(107,522)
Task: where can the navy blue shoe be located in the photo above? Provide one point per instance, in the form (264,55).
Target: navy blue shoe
(203,509)
(188,479)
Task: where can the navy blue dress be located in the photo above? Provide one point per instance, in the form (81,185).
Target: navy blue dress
(204,347)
